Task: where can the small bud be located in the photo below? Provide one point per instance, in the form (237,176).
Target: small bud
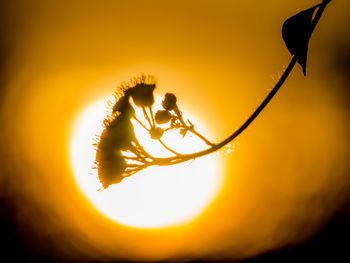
(156,133)
(169,102)
(162,116)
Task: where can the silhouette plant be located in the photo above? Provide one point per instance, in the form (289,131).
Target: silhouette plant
(119,154)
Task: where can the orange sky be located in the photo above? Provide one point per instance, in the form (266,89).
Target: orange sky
(287,172)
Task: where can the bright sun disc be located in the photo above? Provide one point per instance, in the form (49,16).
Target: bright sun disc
(155,197)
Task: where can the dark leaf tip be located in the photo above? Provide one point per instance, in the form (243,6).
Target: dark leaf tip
(296,32)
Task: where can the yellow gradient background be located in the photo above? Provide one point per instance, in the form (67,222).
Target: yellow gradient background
(287,172)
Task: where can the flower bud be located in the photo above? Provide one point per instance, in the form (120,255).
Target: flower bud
(156,133)
(162,116)
(169,102)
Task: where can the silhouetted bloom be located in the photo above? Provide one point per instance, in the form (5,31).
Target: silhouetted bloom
(142,94)
(141,90)
(118,152)
(117,135)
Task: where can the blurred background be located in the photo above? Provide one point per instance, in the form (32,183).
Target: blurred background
(286,184)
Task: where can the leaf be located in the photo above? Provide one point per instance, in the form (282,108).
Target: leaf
(296,32)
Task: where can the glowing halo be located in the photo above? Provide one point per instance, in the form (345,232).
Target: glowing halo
(154,198)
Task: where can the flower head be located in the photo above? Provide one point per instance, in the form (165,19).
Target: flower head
(141,90)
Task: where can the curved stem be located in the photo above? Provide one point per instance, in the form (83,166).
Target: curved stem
(186,157)
(191,128)
(319,14)
(168,148)
(179,158)
(201,137)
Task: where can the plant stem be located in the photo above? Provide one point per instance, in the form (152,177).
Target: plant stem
(151,112)
(142,125)
(146,116)
(179,158)
(319,14)
(161,142)
(201,137)
(186,157)
(191,128)
(168,148)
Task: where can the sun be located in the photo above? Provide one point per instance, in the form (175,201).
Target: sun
(156,197)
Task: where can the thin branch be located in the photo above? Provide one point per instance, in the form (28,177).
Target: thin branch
(168,148)
(140,150)
(146,160)
(191,128)
(186,157)
(151,112)
(201,136)
(133,171)
(142,125)
(319,14)
(146,116)
(139,159)
(161,142)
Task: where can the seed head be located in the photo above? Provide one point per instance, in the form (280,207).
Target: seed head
(141,90)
